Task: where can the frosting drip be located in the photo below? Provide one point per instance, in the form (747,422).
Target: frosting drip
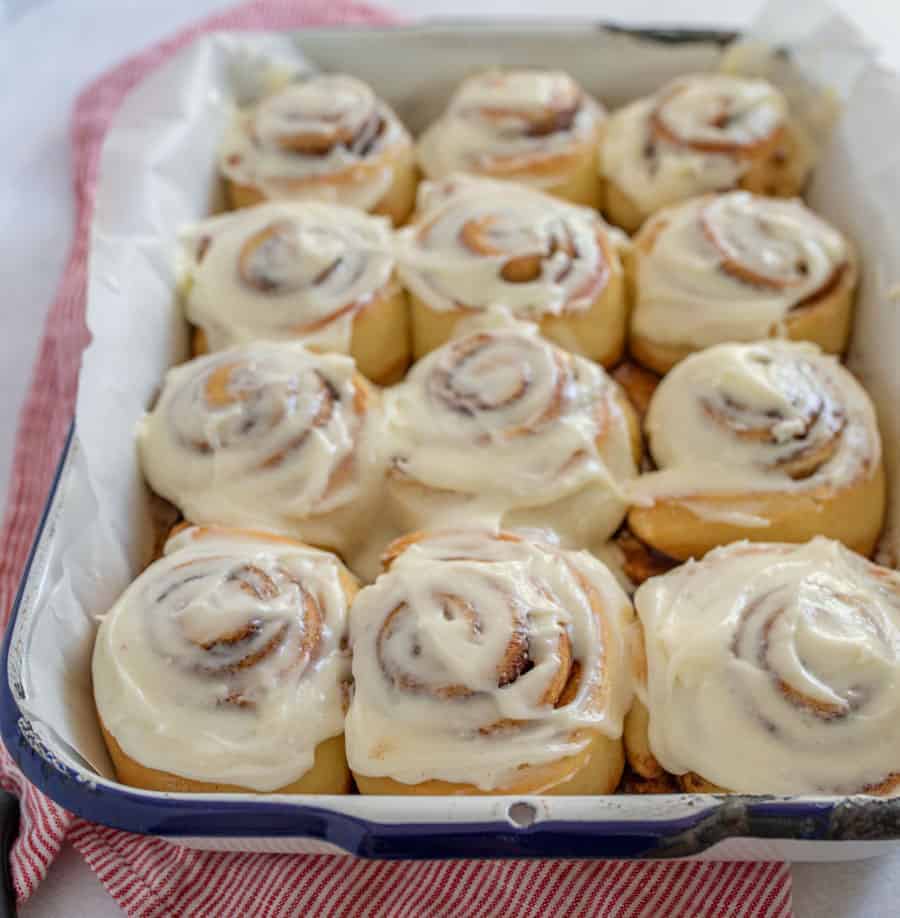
(506,123)
(222,662)
(322,138)
(268,435)
(774,669)
(291,271)
(478,243)
(775,415)
(476,654)
(731,267)
(694,135)
(513,425)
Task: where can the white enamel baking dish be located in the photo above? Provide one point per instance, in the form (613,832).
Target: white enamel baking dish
(158,173)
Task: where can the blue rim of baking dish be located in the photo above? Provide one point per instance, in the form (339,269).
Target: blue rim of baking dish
(709,819)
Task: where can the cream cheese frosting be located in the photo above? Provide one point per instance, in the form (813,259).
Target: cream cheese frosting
(180,692)
(462,650)
(478,243)
(763,417)
(731,267)
(509,122)
(269,435)
(324,138)
(504,427)
(693,135)
(775,669)
(286,271)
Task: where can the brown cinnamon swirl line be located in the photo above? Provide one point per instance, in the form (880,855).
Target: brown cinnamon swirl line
(516,658)
(736,260)
(451,384)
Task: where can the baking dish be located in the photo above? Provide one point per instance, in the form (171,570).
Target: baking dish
(87,548)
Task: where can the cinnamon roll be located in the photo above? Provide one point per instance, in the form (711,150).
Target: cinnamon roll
(487,664)
(738,267)
(501,425)
(478,244)
(699,133)
(772,441)
(268,435)
(327,138)
(316,273)
(637,562)
(639,385)
(536,127)
(771,669)
(224,667)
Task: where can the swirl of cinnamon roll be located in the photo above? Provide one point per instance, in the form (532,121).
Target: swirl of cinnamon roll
(477,244)
(699,133)
(766,441)
(268,435)
(773,668)
(328,138)
(223,667)
(536,127)
(485,663)
(738,267)
(503,425)
(309,272)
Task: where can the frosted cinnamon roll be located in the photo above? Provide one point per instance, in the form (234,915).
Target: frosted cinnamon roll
(224,667)
(327,138)
(478,244)
(772,441)
(487,664)
(738,267)
(501,425)
(268,435)
(537,127)
(309,272)
(771,669)
(699,133)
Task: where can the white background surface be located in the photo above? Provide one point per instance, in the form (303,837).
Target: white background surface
(49,50)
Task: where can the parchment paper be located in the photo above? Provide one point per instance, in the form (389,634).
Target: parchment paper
(158,173)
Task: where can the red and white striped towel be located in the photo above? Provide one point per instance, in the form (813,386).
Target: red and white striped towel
(150,877)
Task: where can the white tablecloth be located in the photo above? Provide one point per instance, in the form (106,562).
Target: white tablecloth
(49,49)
